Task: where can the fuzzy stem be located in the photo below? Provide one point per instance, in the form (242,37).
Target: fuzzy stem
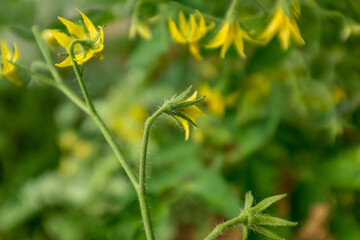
(222,228)
(232,11)
(97,119)
(46,54)
(142,173)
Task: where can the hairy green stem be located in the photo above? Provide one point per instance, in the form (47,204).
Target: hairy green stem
(97,119)
(223,227)
(46,54)
(142,174)
(232,11)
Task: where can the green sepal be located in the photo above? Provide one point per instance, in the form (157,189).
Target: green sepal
(268,233)
(187,103)
(267,202)
(267,220)
(181,96)
(179,114)
(245,233)
(249,200)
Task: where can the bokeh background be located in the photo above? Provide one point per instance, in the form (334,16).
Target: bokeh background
(278,122)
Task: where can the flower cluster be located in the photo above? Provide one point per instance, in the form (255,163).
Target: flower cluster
(89,40)
(189,32)
(285,27)
(8,58)
(230,31)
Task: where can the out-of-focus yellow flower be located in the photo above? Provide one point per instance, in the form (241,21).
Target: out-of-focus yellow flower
(229,33)
(338,94)
(82,52)
(8,69)
(82,149)
(285,27)
(192,112)
(140,27)
(190,32)
(216,102)
(214,99)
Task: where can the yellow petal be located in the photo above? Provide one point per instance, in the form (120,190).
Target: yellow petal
(183,24)
(5,51)
(193,112)
(63,39)
(74,29)
(6,56)
(220,37)
(66,63)
(88,25)
(176,35)
(238,40)
(193,29)
(132,30)
(192,97)
(229,39)
(144,30)
(273,26)
(101,34)
(284,35)
(194,49)
(202,29)
(295,31)
(185,126)
(16,53)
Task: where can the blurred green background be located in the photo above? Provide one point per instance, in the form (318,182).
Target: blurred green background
(278,122)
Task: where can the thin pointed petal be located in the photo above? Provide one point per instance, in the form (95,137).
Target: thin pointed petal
(5,51)
(239,41)
(192,97)
(144,30)
(74,29)
(202,29)
(194,49)
(183,24)
(273,26)
(296,32)
(16,53)
(284,35)
(89,25)
(229,39)
(176,35)
(66,63)
(193,29)
(220,37)
(63,39)
(185,126)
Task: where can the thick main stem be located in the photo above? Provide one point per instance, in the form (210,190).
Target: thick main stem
(99,122)
(144,207)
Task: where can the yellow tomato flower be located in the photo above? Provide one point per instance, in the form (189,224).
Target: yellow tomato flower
(214,100)
(192,112)
(285,27)
(8,69)
(140,27)
(229,33)
(189,32)
(88,32)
